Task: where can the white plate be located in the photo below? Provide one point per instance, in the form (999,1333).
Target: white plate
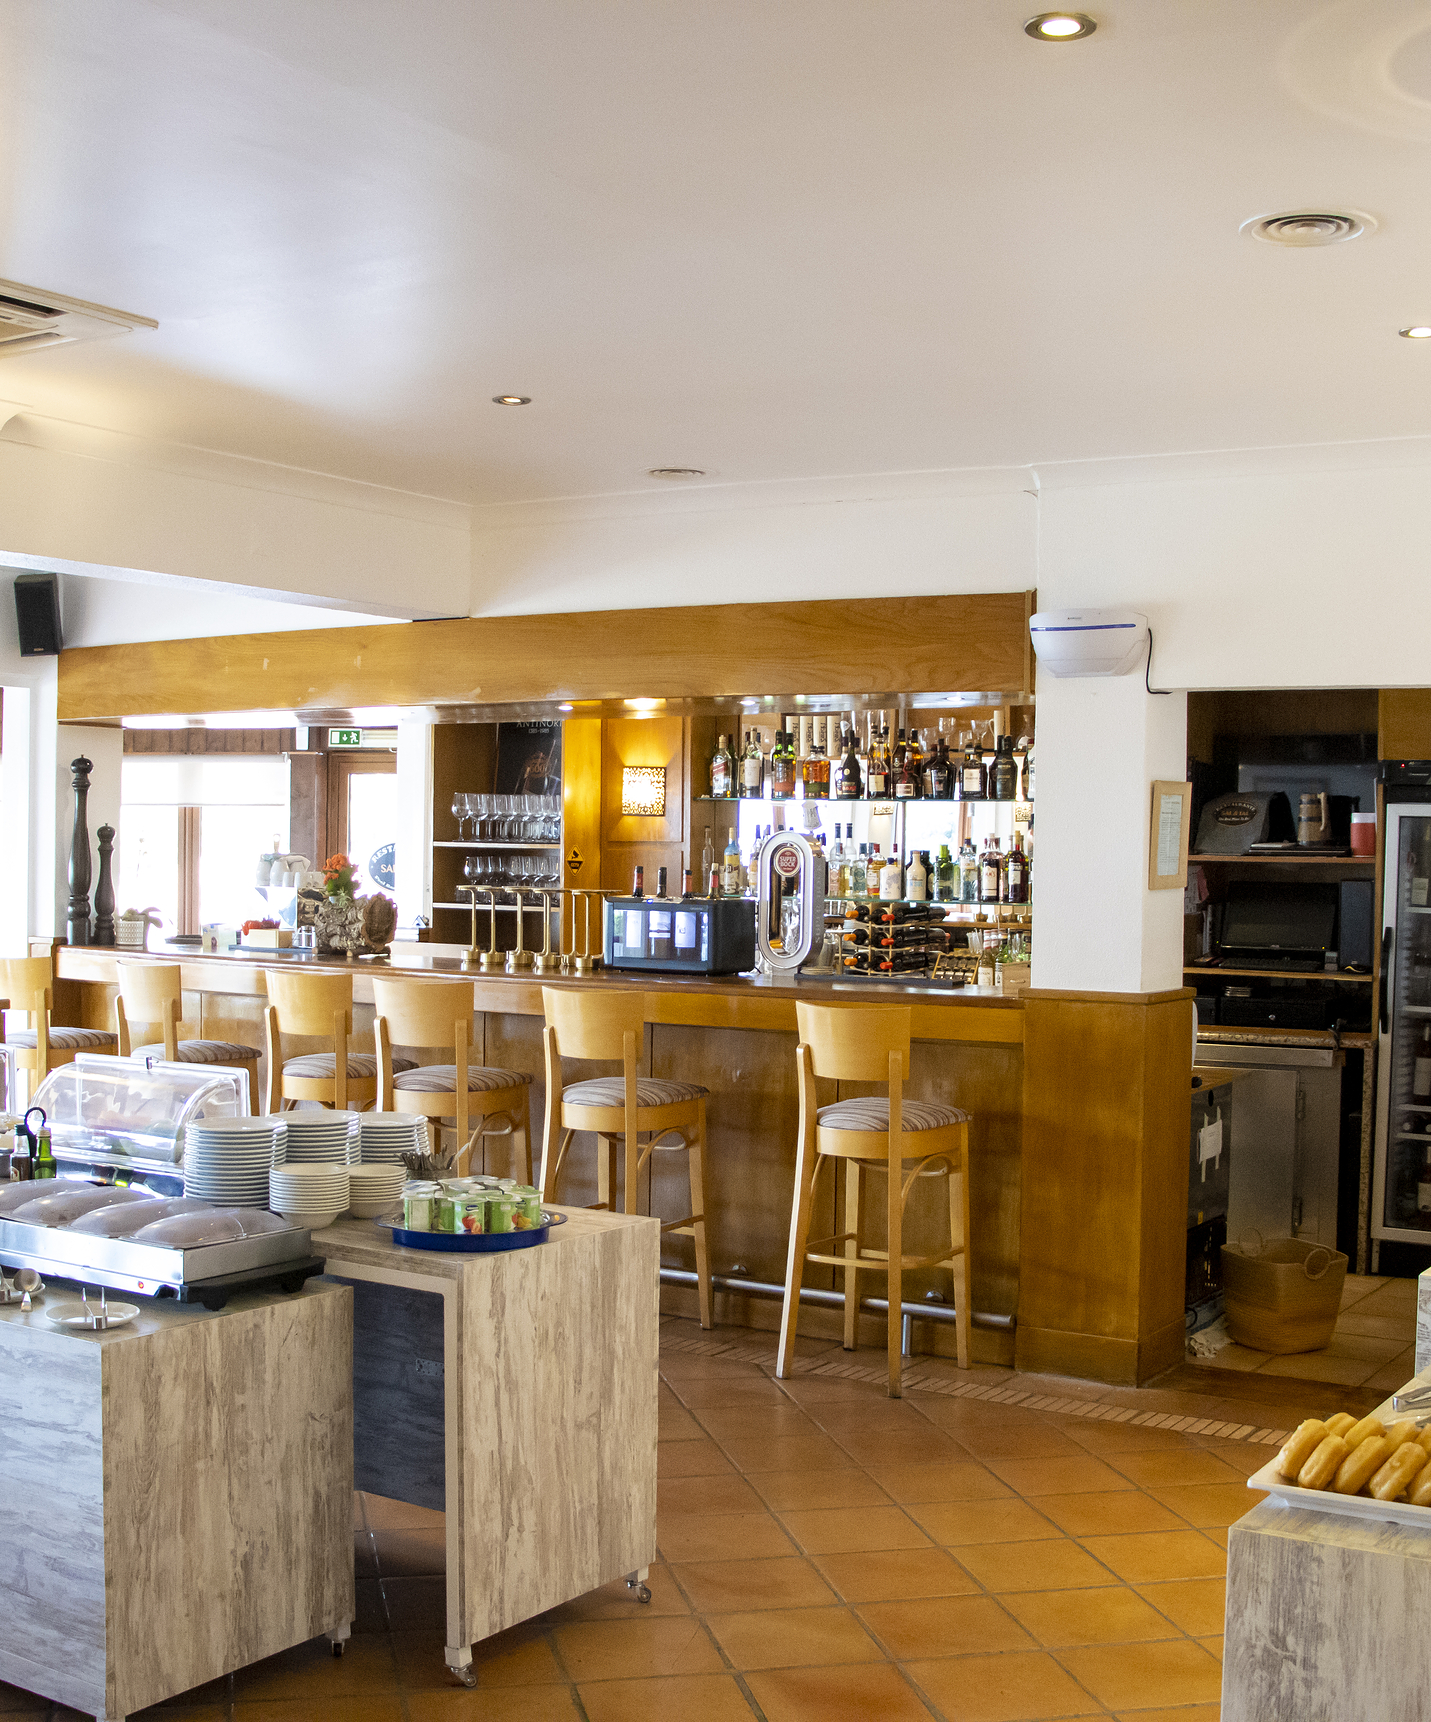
(72,1314)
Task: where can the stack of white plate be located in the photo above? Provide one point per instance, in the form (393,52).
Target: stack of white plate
(319,1137)
(228,1160)
(387,1136)
(309,1194)
(374,1189)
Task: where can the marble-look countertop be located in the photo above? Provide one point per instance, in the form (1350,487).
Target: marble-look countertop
(364,1241)
(156,1315)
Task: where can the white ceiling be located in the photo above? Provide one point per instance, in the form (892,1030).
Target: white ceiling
(773,241)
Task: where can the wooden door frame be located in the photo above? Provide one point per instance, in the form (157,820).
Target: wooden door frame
(341,768)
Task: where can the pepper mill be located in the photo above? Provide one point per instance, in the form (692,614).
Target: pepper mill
(78,914)
(104,888)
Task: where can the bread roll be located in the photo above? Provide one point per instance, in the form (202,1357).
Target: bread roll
(1398,1472)
(1302,1443)
(1360,1431)
(1319,1470)
(1339,1424)
(1402,1432)
(1361,1464)
(1420,1495)
(1423,1437)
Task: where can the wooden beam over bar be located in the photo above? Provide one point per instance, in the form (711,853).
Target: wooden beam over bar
(971,643)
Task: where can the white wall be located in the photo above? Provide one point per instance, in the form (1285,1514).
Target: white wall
(98,612)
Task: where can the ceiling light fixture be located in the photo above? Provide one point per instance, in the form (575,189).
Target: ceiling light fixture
(1060,26)
(1417,332)
(675,472)
(1300,228)
(565,706)
(511,400)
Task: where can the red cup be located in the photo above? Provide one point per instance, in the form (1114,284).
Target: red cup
(1363,834)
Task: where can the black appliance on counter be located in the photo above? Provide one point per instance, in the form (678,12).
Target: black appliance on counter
(680,935)
(1289,927)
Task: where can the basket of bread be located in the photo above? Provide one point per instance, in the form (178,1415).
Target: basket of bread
(1370,1468)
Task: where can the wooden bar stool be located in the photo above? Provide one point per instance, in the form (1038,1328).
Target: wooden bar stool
(322,1006)
(606,1024)
(28,985)
(440,1013)
(870,1043)
(152,993)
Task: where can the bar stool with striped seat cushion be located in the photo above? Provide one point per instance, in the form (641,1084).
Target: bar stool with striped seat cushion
(587,1022)
(318,1005)
(423,1013)
(28,985)
(904,1140)
(151,992)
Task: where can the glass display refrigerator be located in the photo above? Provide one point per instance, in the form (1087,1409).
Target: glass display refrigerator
(1401,1189)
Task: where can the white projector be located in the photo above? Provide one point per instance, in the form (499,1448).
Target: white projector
(1089,642)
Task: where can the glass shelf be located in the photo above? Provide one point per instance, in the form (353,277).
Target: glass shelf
(857,801)
(489,843)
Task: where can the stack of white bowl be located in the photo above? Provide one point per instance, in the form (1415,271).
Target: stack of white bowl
(317,1137)
(373,1190)
(228,1160)
(387,1136)
(309,1194)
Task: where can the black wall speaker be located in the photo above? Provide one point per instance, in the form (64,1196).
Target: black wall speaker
(37,610)
(1354,935)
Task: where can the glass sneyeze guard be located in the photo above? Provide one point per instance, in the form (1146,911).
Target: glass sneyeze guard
(791,881)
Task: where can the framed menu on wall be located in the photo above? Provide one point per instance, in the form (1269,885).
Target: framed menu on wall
(1168,836)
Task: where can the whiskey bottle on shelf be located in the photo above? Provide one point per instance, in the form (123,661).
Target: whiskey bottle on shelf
(752,767)
(946,875)
(990,871)
(782,767)
(851,778)
(722,771)
(1026,743)
(873,867)
(1015,873)
(906,784)
(936,768)
(816,770)
(1005,774)
(915,759)
(972,775)
(877,778)
(896,760)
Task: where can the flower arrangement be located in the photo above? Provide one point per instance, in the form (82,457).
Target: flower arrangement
(339,876)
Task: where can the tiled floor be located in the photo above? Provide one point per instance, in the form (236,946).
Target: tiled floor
(828,1555)
(1374,1344)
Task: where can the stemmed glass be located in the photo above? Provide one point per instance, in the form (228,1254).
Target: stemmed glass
(459,813)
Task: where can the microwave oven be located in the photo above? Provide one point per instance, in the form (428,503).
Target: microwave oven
(692,935)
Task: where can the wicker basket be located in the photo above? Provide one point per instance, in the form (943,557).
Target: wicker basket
(1283,1294)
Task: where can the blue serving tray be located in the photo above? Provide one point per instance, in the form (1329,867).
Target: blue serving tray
(473,1243)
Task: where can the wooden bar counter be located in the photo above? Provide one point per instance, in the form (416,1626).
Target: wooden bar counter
(736,1035)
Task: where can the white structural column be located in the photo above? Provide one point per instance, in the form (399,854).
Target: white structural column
(1102,741)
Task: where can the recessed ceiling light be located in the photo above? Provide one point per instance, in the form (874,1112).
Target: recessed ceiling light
(1060,26)
(1417,332)
(511,400)
(643,705)
(1302,227)
(675,472)
(565,706)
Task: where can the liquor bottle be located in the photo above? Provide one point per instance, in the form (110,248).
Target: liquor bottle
(916,763)
(972,773)
(708,855)
(782,767)
(660,881)
(1028,783)
(722,771)
(638,884)
(916,877)
(873,865)
(688,889)
(905,786)
(936,768)
(1421,1069)
(968,872)
(1005,774)
(817,772)
(855,885)
(851,780)
(891,879)
(877,779)
(751,868)
(1015,873)
(896,760)
(946,889)
(990,871)
(713,884)
(730,867)
(752,767)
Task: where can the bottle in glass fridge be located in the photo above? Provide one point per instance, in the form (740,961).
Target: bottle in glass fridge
(752,767)
(730,867)
(891,880)
(916,876)
(946,876)
(991,867)
(722,771)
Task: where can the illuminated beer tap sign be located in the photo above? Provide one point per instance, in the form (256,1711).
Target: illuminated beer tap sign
(791,880)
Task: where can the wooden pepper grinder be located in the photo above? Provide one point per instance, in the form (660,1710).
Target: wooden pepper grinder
(78,915)
(104,889)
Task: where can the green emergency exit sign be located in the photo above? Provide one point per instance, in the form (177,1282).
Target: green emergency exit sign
(345,738)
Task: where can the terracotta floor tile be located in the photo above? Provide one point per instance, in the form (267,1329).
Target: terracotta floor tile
(793,1638)
(1358,1286)
(1111,1615)
(700,1393)
(1057,1565)
(790,1453)
(1103,1438)
(615,1601)
(755,1422)
(1182,1713)
(1394,1374)
(1018,1686)
(1058,1476)
(1107,1515)
(311,1670)
(793,1490)
(677,1698)
(853,1530)
(1176,1470)
(956,1482)
(636,1649)
(694,1495)
(722,1537)
(678,1426)
(1213,1646)
(881,1416)
(348,1708)
(926,1446)
(411,1553)
(1396,1327)
(514,1704)
(690,1459)
(521,1656)
(1218,1535)
(1208,1504)
(955,1523)
(891,1574)
(1322,1366)
(1195,1605)
(1125,1676)
(872,1692)
(734,1587)
(388,1515)
(944,1626)
(1147,1558)
(415,1604)
(1027,1438)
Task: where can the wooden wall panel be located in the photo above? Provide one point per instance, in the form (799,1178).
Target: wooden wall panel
(626,841)
(960,643)
(1404,723)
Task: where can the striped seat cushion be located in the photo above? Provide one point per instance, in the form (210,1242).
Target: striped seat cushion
(442,1079)
(202,1052)
(611,1091)
(67,1039)
(872,1113)
(360,1064)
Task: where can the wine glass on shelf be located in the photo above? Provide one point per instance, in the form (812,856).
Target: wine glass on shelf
(459,812)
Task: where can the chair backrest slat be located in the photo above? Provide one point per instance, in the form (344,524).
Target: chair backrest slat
(852,1043)
(592,1022)
(307,1004)
(423,1013)
(25,980)
(147,987)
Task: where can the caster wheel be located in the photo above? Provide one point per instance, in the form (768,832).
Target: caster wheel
(338,1647)
(468,1675)
(643,1591)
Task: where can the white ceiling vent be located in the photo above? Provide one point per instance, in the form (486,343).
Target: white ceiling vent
(1302,227)
(31,318)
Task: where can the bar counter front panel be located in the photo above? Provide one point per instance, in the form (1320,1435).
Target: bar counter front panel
(737,1037)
